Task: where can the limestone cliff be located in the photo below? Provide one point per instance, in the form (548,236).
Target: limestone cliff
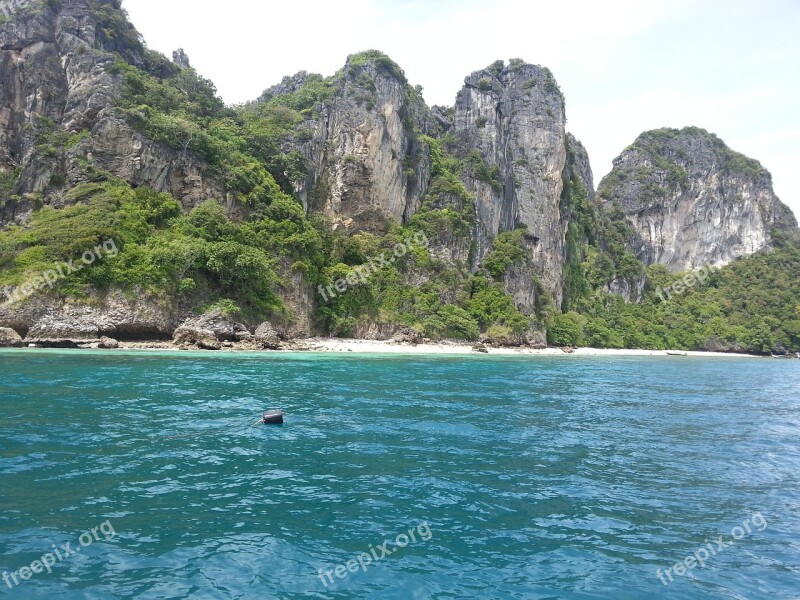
(505,196)
(509,124)
(578,166)
(58,123)
(692,201)
(365,165)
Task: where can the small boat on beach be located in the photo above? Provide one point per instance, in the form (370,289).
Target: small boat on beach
(676,353)
(789,355)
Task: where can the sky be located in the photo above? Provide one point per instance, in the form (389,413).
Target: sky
(625,66)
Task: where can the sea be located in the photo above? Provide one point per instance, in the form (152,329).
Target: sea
(145,475)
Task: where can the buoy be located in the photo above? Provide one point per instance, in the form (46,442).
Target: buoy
(273,417)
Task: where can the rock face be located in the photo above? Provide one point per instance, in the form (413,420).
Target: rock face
(113,146)
(692,201)
(208,330)
(9,338)
(363,152)
(578,164)
(365,164)
(58,123)
(112,314)
(715,344)
(267,337)
(180,58)
(510,121)
(107,343)
(299,298)
(52,327)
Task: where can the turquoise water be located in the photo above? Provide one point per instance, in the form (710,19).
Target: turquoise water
(544,478)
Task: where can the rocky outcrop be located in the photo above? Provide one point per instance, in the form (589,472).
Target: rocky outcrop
(504,337)
(537,340)
(180,58)
(9,338)
(194,336)
(52,68)
(65,327)
(208,330)
(299,298)
(112,314)
(520,280)
(365,163)
(692,201)
(579,166)
(58,121)
(114,146)
(407,335)
(509,120)
(715,344)
(267,337)
(107,343)
(630,290)
(55,83)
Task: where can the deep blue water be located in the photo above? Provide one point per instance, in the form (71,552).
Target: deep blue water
(542,478)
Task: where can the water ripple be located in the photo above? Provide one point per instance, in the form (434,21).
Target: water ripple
(553,477)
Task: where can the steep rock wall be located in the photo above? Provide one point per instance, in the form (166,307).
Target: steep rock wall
(510,123)
(692,201)
(58,124)
(366,165)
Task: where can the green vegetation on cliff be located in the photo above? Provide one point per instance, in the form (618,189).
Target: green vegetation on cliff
(183,111)
(664,146)
(749,305)
(752,304)
(596,241)
(163,253)
(444,302)
(255,249)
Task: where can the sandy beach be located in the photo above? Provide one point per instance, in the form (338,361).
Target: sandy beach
(389,347)
(339,345)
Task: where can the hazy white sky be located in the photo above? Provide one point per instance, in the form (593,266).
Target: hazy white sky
(625,66)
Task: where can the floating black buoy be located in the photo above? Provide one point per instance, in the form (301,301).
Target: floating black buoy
(273,417)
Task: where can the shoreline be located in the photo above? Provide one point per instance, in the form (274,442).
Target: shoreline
(387,347)
(335,345)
